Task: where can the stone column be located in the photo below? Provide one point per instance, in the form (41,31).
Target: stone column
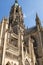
(22,52)
(5,42)
(19,38)
(31,49)
(2,32)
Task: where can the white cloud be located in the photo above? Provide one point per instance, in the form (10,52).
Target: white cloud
(24,15)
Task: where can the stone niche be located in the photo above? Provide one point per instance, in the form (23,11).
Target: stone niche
(14,42)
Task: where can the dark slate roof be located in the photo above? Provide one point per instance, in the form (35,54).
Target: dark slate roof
(30,30)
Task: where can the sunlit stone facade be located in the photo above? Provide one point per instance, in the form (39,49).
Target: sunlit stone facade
(18,45)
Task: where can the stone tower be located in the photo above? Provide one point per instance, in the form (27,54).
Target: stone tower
(16,28)
(39,45)
(12,37)
(20,45)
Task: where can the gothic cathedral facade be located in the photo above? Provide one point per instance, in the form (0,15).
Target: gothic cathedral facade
(18,45)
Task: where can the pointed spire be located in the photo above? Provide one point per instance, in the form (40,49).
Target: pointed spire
(16,1)
(37,19)
(37,16)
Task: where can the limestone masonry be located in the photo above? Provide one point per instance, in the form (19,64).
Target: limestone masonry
(18,45)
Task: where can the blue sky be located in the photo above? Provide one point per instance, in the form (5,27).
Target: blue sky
(29,7)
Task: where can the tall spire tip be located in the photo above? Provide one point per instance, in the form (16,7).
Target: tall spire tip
(16,1)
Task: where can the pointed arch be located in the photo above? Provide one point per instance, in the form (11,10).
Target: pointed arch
(26,62)
(8,63)
(35,41)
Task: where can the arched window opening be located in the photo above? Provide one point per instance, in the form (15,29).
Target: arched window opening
(26,46)
(8,63)
(17,10)
(24,49)
(35,42)
(15,64)
(26,62)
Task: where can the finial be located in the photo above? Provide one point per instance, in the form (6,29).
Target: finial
(16,1)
